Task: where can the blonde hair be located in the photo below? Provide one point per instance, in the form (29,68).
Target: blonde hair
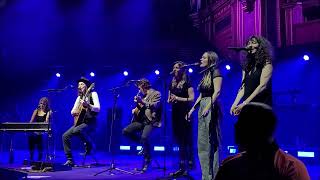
(206,80)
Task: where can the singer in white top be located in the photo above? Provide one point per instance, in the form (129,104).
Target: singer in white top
(84,111)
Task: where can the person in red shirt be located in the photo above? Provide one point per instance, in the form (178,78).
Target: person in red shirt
(260,157)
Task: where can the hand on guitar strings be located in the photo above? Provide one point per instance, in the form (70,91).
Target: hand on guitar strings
(137,99)
(84,103)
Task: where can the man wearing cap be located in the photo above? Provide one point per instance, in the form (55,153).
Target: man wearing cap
(150,108)
(86,122)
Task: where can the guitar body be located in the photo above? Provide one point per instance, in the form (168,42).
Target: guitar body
(79,119)
(138,113)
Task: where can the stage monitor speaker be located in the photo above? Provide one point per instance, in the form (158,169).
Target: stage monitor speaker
(12,174)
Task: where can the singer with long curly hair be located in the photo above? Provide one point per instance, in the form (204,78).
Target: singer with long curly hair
(256,75)
(181,94)
(209,115)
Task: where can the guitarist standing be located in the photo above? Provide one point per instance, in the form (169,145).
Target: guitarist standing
(146,116)
(84,111)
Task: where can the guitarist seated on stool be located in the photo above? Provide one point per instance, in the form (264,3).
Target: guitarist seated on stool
(146,116)
(84,111)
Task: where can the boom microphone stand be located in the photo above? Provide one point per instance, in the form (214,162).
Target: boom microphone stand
(113,167)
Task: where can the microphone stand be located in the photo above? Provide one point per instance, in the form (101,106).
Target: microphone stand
(116,94)
(51,145)
(208,68)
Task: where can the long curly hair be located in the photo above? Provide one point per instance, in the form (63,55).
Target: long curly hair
(212,59)
(175,83)
(263,56)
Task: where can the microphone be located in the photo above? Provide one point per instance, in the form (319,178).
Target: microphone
(240,48)
(193,64)
(187,65)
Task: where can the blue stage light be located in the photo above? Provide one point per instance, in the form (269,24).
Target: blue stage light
(58,75)
(125,73)
(158,148)
(190,70)
(125,148)
(175,149)
(309,154)
(306,58)
(92,74)
(232,149)
(157,72)
(228,67)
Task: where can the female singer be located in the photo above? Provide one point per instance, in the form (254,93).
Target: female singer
(181,93)
(256,75)
(209,115)
(41,114)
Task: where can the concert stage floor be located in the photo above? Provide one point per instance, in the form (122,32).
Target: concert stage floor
(125,162)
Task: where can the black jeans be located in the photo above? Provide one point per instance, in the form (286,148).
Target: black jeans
(82,131)
(35,139)
(131,132)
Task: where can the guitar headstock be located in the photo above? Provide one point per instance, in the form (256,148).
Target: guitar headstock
(91,87)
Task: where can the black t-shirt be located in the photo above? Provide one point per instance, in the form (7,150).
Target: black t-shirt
(181,91)
(251,82)
(208,91)
(40,118)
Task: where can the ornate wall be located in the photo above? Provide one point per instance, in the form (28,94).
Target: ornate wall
(230,22)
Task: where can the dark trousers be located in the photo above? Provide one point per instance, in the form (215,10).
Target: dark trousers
(131,132)
(35,139)
(182,132)
(183,136)
(82,131)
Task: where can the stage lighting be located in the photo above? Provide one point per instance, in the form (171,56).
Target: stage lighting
(92,74)
(175,149)
(58,75)
(125,73)
(157,72)
(306,58)
(190,70)
(125,148)
(228,67)
(232,149)
(305,154)
(158,148)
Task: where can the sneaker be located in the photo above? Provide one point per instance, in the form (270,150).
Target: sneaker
(69,163)
(146,164)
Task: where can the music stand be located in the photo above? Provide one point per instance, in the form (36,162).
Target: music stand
(115,92)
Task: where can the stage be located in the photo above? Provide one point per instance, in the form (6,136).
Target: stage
(125,162)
